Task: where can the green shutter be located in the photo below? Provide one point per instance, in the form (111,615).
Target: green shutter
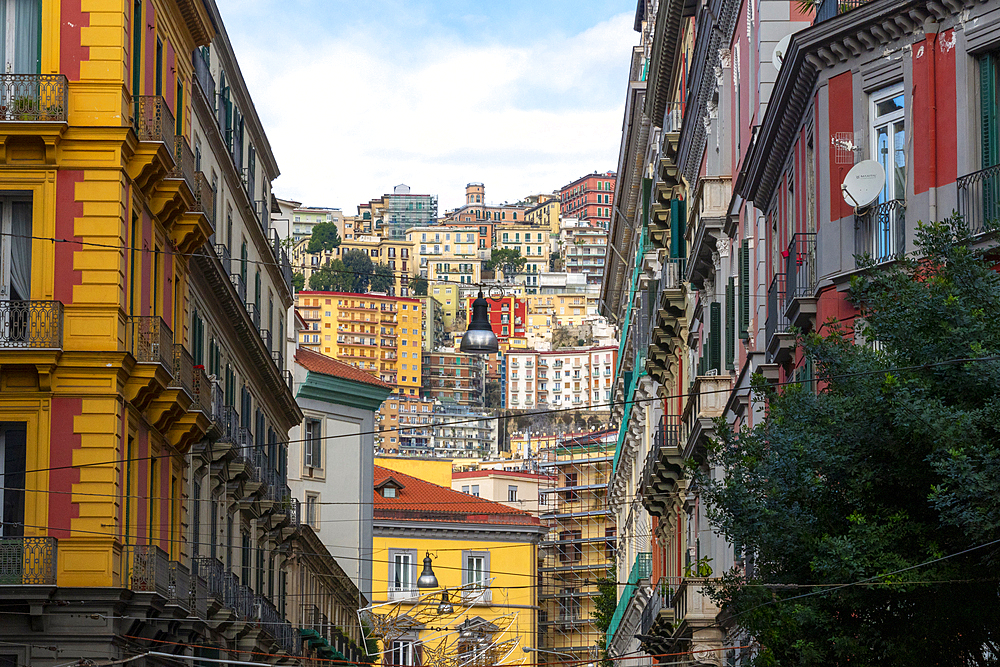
(731,324)
(988,110)
(715,337)
(677,217)
(647,190)
(744,269)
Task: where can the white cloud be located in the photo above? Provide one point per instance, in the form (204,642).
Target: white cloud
(350,116)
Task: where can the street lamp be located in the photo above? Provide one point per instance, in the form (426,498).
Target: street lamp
(528,649)
(427,578)
(479,337)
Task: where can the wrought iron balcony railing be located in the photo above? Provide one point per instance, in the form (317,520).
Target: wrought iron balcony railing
(178,584)
(880,231)
(27,560)
(153,120)
(240,285)
(212,572)
(150,340)
(203,74)
(979,199)
(31,324)
(800,281)
(222,252)
(183,161)
(183,370)
(149,569)
(33,97)
(776,321)
(204,197)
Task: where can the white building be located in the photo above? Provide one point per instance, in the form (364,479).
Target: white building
(563,378)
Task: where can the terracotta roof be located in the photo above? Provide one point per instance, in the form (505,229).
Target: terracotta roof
(422,501)
(320,363)
(487,472)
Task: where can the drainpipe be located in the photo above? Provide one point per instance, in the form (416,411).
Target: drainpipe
(931,31)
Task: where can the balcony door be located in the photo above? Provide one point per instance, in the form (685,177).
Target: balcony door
(13,441)
(15,248)
(21,46)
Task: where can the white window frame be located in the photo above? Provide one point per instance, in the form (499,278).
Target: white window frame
(403,588)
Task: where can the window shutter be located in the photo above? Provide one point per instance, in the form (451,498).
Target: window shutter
(715,337)
(744,296)
(731,324)
(647,189)
(988,109)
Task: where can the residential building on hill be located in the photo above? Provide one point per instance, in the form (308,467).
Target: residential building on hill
(448,254)
(507,318)
(476,209)
(295,221)
(392,252)
(486,546)
(391,215)
(453,377)
(589,198)
(330,466)
(533,244)
(563,378)
(583,248)
(450,302)
(545,214)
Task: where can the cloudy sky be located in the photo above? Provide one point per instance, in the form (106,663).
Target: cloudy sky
(356,97)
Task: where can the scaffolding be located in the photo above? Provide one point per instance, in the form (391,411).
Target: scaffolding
(580,545)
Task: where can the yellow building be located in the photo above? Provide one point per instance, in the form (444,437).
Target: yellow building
(449,300)
(145,344)
(393,252)
(533,244)
(446,253)
(489,548)
(544,214)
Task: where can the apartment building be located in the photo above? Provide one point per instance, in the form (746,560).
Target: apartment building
(446,254)
(563,378)
(432,328)
(545,213)
(533,244)
(514,488)
(476,209)
(447,296)
(391,215)
(138,347)
(583,247)
(392,252)
(589,198)
(453,377)
(295,221)
(507,317)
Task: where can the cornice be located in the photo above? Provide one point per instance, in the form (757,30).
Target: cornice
(441,530)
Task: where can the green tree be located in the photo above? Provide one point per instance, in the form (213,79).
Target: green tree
(361,267)
(299,281)
(333,277)
(492,397)
(508,260)
(605,605)
(383,279)
(418,285)
(881,470)
(324,237)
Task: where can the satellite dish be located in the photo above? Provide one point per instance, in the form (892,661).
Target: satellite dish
(778,56)
(863,183)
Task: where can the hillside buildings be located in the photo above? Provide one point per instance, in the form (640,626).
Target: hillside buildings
(533,244)
(583,248)
(563,378)
(391,215)
(476,209)
(589,198)
(295,221)
(453,377)
(446,253)
(514,488)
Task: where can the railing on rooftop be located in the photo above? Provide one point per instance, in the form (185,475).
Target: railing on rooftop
(880,231)
(152,120)
(979,199)
(27,561)
(31,324)
(150,340)
(32,97)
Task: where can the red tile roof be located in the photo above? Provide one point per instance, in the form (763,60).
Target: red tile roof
(320,363)
(422,501)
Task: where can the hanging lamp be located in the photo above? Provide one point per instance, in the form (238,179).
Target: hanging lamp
(479,337)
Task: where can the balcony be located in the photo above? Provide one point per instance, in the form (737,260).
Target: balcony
(800,282)
(880,232)
(979,199)
(711,203)
(153,120)
(149,340)
(33,97)
(641,569)
(240,285)
(183,371)
(178,585)
(31,325)
(657,620)
(222,252)
(663,468)
(402,593)
(692,608)
(183,161)
(705,402)
(780,342)
(28,561)
(148,569)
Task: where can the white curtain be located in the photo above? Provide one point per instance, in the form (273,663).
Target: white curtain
(26,33)
(20,251)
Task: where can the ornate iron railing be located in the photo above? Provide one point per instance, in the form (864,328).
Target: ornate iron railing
(204,197)
(213,573)
(202,392)
(880,231)
(183,162)
(152,120)
(222,251)
(178,584)
(243,601)
(203,74)
(32,97)
(198,594)
(183,370)
(31,324)
(27,560)
(800,271)
(150,569)
(776,321)
(150,340)
(979,199)
(229,423)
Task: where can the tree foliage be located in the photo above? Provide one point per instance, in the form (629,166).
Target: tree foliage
(605,605)
(418,285)
(299,281)
(361,267)
(324,236)
(883,472)
(492,398)
(333,277)
(508,260)
(383,278)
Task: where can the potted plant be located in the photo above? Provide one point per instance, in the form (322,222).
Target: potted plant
(25,108)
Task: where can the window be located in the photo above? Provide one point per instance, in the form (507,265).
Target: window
(570,482)
(465,488)
(314,443)
(402,654)
(511,494)
(475,568)
(569,548)
(889,140)
(475,490)
(15,255)
(402,571)
(13,450)
(312,510)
